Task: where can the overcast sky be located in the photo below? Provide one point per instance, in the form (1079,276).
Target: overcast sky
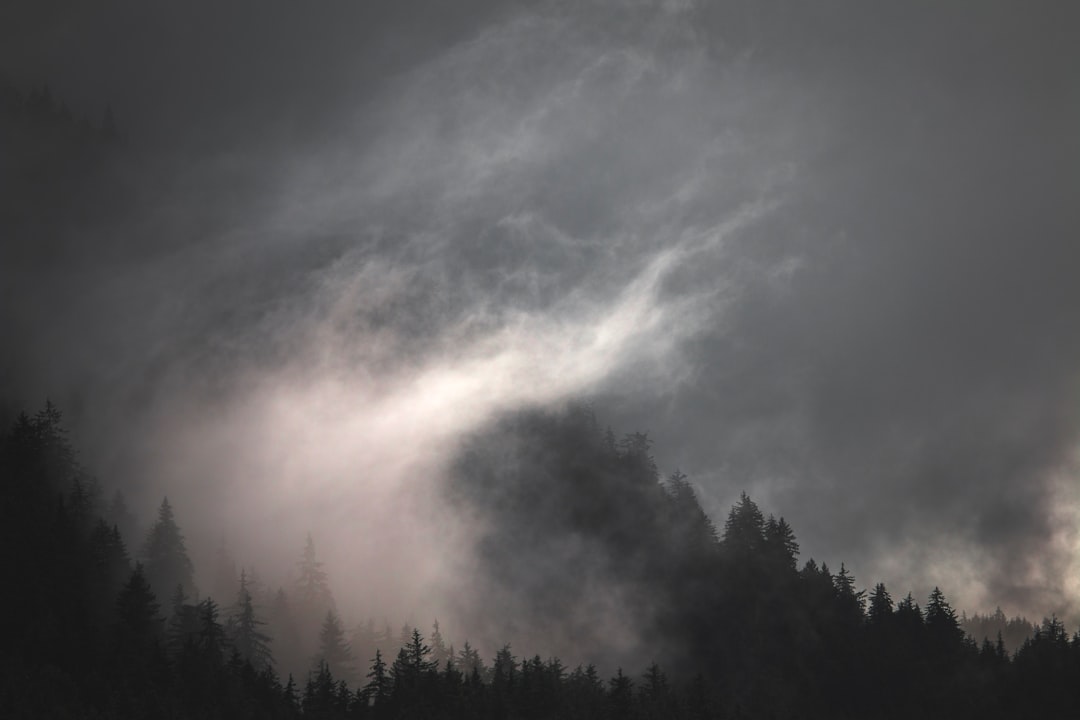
(824,252)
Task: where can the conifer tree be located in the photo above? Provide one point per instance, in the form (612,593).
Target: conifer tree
(504,667)
(138,624)
(656,698)
(211,634)
(469,660)
(311,598)
(413,663)
(780,541)
(881,606)
(250,642)
(942,625)
(377,690)
(313,587)
(109,556)
(289,695)
(620,695)
(165,557)
(439,652)
(744,529)
(334,652)
(694,529)
(852,601)
(909,617)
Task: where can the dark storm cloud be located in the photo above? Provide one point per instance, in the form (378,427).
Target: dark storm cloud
(824,253)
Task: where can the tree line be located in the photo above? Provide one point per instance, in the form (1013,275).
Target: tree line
(745,631)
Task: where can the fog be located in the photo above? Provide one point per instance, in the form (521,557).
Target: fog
(824,255)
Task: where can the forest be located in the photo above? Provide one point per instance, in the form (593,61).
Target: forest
(610,151)
(106,626)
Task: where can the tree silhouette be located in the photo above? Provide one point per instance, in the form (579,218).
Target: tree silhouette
(250,642)
(313,587)
(139,627)
(881,606)
(334,652)
(744,528)
(377,690)
(165,557)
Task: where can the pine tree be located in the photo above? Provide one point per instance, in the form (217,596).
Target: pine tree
(909,618)
(334,652)
(942,625)
(504,668)
(413,663)
(321,697)
(656,698)
(211,634)
(251,643)
(311,598)
(377,689)
(109,556)
(694,529)
(439,652)
(166,561)
(744,530)
(620,695)
(852,601)
(138,624)
(469,660)
(288,693)
(780,542)
(635,452)
(881,606)
(313,587)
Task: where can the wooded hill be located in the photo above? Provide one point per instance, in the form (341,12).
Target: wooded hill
(104,626)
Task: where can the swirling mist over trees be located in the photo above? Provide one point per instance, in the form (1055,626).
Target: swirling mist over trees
(315,283)
(719,622)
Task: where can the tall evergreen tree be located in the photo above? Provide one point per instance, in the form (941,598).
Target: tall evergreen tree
(439,652)
(165,557)
(211,638)
(780,542)
(620,695)
(744,529)
(881,606)
(334,651)
(249,641)
(852,601)
(139,627)
(313,586)
(694,530)
(414,661)
(942,625)
(377,690)
(469,660)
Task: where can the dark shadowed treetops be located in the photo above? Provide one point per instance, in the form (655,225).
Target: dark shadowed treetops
(737,631)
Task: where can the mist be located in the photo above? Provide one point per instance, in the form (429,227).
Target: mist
(823,255)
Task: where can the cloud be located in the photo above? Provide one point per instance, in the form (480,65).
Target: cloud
(820,253)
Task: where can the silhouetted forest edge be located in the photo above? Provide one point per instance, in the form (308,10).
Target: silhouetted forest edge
(98,630)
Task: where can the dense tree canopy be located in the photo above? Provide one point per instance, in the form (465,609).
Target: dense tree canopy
(743,633)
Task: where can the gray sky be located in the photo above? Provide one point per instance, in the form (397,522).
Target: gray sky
(824,252)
